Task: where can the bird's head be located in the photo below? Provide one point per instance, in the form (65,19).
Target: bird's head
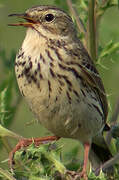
(47,21)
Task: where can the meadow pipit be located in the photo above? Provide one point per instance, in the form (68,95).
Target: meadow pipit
(58,79)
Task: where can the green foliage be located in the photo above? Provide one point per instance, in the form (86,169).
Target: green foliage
(103,6)
(42,162)
(8,101)
(100,177)
(7,87)
(71,161)
(107,51)
(83,9)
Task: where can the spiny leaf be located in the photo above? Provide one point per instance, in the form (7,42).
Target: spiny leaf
(41,162)
(100,177)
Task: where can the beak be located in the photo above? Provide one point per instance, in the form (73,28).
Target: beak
(29,21)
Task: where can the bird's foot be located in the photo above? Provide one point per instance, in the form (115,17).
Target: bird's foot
(77,176)
(83,175)
(26,142)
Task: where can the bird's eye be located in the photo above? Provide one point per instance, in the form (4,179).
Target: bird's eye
(49,17)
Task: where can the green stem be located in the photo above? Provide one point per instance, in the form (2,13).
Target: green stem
(92,30)
(7,133)
(6,174)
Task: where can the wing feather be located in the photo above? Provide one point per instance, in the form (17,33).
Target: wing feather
(92,77)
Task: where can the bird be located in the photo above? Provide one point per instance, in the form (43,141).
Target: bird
(59,80)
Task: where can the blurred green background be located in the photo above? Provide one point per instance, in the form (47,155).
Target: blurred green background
(11,39)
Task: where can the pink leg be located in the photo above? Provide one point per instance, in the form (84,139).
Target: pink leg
(83,174)
(86,153)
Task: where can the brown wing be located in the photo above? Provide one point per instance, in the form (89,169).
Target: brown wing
(92,77)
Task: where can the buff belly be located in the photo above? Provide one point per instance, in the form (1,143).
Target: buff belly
(75,120)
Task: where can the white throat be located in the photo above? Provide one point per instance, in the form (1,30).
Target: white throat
(33,43)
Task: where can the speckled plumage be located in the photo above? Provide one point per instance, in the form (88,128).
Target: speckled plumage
(57,77)
(58,95)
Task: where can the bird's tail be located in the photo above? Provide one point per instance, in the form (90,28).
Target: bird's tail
(99,153)
(102,153)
